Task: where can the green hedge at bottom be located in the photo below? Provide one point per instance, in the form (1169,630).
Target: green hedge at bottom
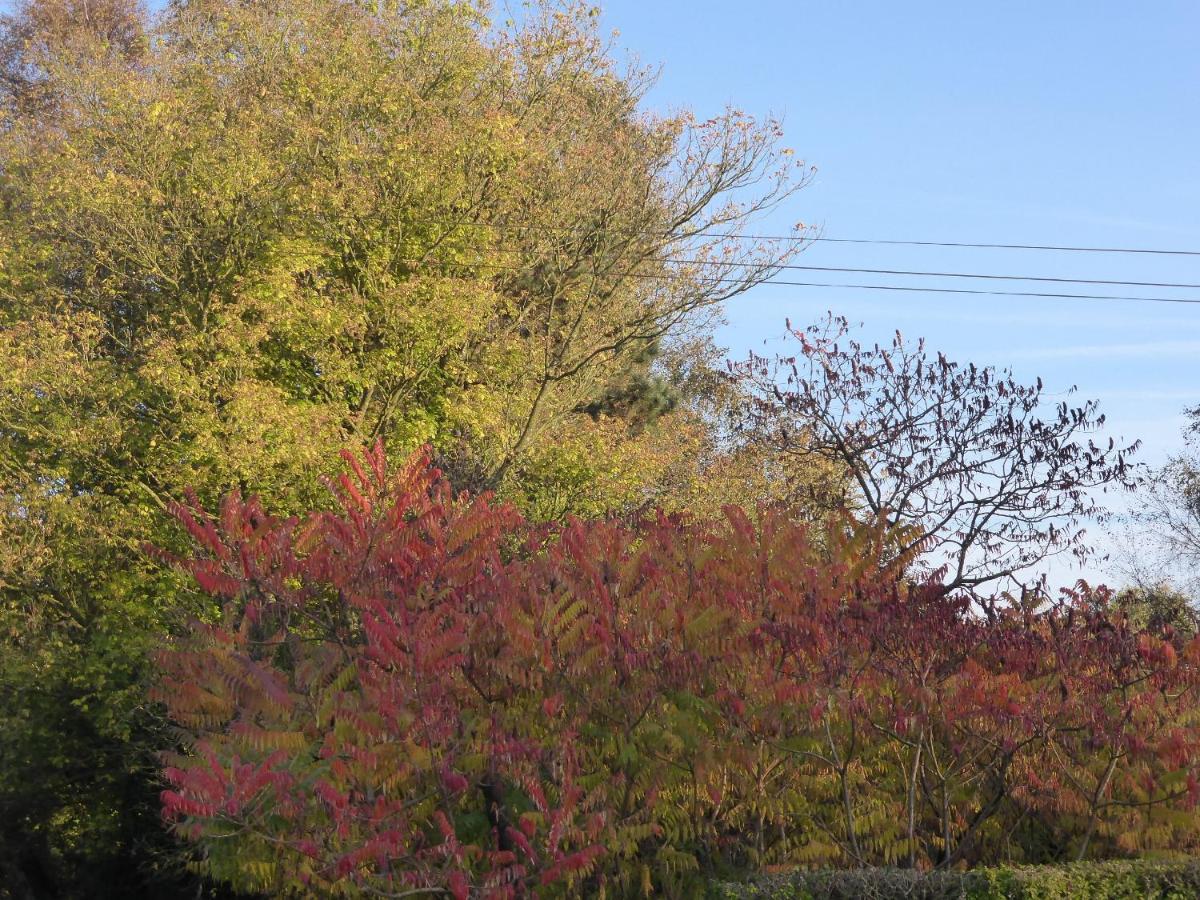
(1114,880)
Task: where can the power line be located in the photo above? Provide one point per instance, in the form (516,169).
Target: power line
(799,238)
(908,272)
(1154,251)
(873,287)
(936,290)
(1041,278)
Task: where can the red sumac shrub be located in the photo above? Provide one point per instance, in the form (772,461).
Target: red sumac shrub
(421,693)
(417,692)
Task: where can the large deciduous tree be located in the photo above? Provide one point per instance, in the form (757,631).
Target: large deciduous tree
(243,235)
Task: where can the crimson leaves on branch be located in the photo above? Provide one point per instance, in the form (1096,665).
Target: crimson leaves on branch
(421,693)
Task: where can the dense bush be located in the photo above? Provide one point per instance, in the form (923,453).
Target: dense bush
(421,692)
(1112,880)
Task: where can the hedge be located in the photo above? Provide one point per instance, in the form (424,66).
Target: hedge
(1113,880)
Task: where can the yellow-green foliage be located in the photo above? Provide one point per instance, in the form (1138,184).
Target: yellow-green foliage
(1114,880)
(250,234)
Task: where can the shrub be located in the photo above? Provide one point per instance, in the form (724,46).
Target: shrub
(422,692)
(1111,880)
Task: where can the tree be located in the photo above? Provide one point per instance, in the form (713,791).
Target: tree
(1158,608)
(968,455)
(40,35)
(1164,540)
(242,236)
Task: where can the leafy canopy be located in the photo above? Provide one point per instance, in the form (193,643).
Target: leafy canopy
(240,236)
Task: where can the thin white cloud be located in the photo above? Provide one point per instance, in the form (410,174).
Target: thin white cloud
(1192,395)
(1139,350)
(804,306)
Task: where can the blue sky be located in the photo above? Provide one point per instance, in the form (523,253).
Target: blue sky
(1064,123)
(1052,122)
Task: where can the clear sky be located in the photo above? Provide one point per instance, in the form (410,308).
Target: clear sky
(1052,122)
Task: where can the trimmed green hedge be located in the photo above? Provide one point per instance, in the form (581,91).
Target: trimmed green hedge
(1114,880)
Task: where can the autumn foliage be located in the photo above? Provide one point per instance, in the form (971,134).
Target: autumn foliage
(420,692)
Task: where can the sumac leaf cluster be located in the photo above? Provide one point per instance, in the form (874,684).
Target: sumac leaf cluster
(420,692)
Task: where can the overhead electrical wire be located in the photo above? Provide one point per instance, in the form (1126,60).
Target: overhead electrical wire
(906,272)
(937,290)
(1045,279)
(1156,251)
(872,287)
(801,238)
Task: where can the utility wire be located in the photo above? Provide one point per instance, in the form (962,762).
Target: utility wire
(936,290)
(869,287)
(861,271)
(1155,251)
(800,238)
